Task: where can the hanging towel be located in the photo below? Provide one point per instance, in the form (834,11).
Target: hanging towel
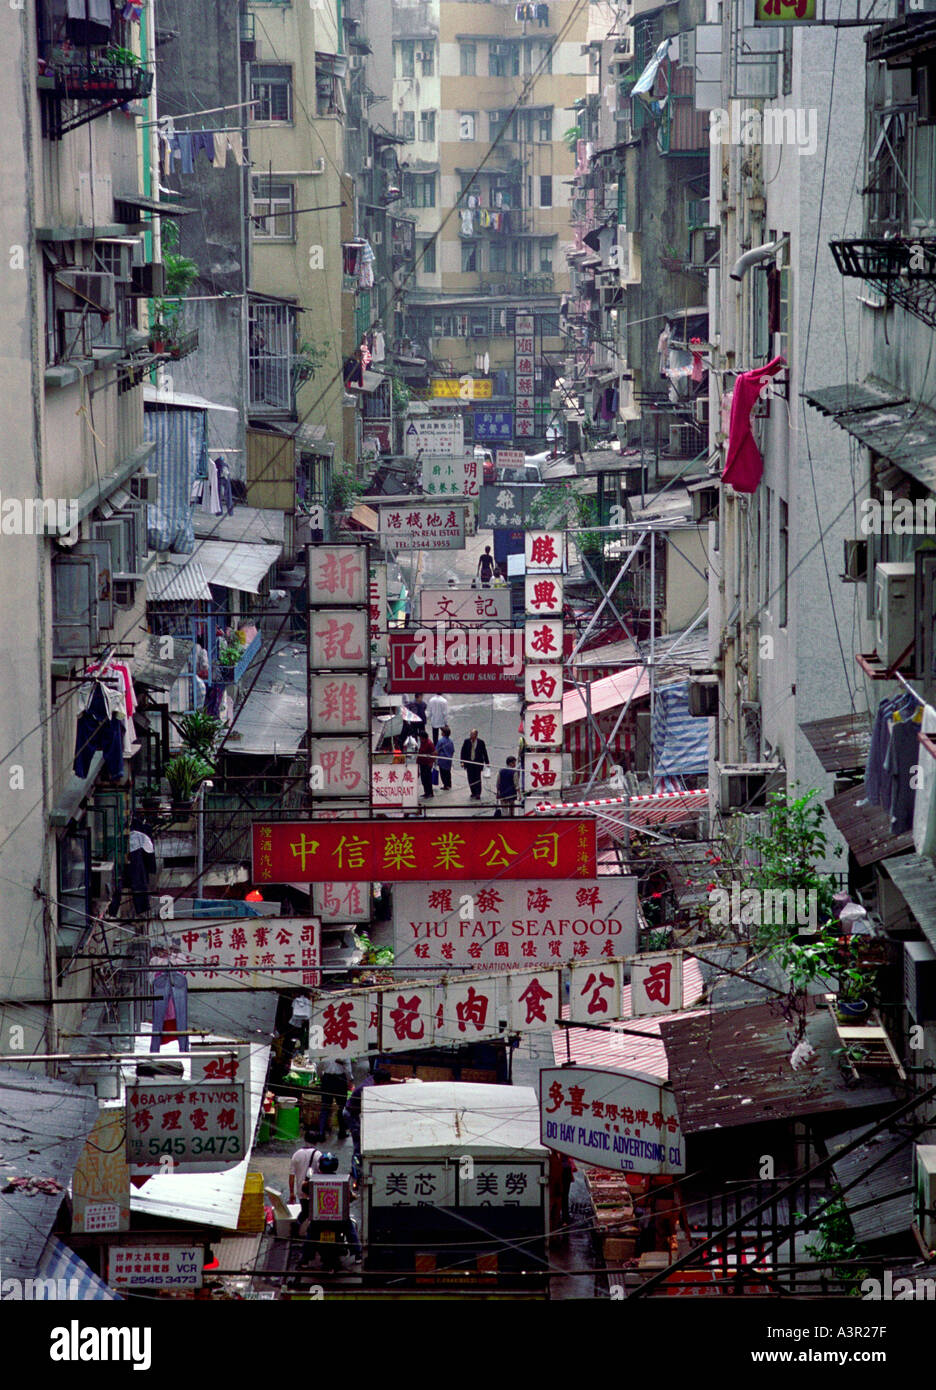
(744,466)
(924,808)
(378,351)
(203,140)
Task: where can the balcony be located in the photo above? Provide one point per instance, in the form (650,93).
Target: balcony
(105,84)
(901,268)
(172,344)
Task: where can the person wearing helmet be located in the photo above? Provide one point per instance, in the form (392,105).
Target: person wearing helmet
(328,1163)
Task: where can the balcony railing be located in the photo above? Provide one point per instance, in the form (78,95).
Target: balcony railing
(901,268)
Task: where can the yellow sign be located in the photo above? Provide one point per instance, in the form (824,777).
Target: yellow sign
(784,11)
(101,1184)
(462,388)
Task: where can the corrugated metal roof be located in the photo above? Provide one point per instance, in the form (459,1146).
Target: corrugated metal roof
(236,566)
(905,434)
(43,1128)
(605,694)
(171,583)
(889,1185)
(274,717)
(852,396)
(915,877)
(439,1118)
(157,671)
(252,525)
(622,1051)
(731,1067)
(841,742)
(865,828)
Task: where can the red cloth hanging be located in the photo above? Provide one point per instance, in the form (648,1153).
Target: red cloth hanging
(744,466)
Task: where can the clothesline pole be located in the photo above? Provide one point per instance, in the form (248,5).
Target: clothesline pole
(208,111)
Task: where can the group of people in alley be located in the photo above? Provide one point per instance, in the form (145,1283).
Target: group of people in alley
(430,737)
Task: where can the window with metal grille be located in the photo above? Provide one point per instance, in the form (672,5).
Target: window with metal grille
(271,90)
(468,54)
(427,57)
(271,341)
(545,191)
(406,51)
(408,125)
(427,125)
(428,253)
(419,190)
(469,256)
(273,209)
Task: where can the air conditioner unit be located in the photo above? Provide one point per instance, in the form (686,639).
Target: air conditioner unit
(479,330)
(746,786)
(116,255)
(855,561)
(628,255)
(703,697)
(893,610)
(924,1191)
(704,498)
(700,410)
(145,486)
(148,281)
(90,289)
(920,980)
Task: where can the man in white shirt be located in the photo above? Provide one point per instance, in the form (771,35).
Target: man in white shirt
(437,714)
(300,1163)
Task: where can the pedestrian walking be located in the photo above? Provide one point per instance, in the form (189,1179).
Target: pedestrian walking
(445,752)
(302,1160)
(474,759)
(418,707)
(337,1080)
(425,762)
(437,714)
(486,568)
(507,788)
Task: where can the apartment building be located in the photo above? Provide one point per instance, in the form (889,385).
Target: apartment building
(483,95)
(74,547)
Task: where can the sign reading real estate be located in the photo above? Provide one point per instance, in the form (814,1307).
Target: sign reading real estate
(423,528)
(185,1127)
(382,851)
(613,1119)
(506,926)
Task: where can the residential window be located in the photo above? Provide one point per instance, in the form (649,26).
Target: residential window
(759,314)
(498,256)
(545,191)
(419,190)
(406,49)
(545,257)
(504,59)
(765,532)
(549,325)
(783,558)
(428,262)
(271,337)
(544,58)
(495,124)
(543,131)
(468,54)
(924,173)
(427,120)
(427,57)
(469,256)
(467,122)
(271,90)
(273,211)
(408,125)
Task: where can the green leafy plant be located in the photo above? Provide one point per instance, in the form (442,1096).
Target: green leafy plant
(308,360)
(345,490)
(561,505)
(184,773)
(200,732)
(836,1243)
(121,57)
(379,956)
(401,394)
(230,653)
(788,853)
(572,136)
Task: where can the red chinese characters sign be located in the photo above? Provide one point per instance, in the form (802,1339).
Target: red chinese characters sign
(250,953)
(619,1120)
(198,1127)
(379,851)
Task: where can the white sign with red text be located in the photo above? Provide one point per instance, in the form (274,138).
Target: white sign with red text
(596,991)
(463,606)
(342,902)
(423,528)
(656,983)
(259,952)
(339,704)
(612,1119)
(516,925)
(544,552)
(198,1126)
(395,786)
(339,766)
(339,639)
(337,574)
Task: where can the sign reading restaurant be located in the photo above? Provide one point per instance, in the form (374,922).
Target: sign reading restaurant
(383,851)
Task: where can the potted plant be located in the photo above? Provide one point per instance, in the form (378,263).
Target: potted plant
(229,654)
(200,732)
(150,796)
(184,773)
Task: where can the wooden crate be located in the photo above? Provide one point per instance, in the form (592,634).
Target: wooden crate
(619,1248)
(435,1073)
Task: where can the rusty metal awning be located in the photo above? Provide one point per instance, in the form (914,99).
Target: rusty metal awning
(152,667)
(914,877)
(879,1182)
(852,395)
(840,743)
(731,1067)
(865,828)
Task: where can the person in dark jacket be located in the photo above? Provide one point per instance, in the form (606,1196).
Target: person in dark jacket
(418,707)
(474,759)
(507,788)
(425,761)
(445,752)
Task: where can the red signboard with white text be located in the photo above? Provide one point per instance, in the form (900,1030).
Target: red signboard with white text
(382,851)
(456,659)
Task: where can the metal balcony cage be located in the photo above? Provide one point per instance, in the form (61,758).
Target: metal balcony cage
(901,269)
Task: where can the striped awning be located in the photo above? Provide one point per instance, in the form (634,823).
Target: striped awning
(654,808)
(72,1277)
(177,583)
(680,741)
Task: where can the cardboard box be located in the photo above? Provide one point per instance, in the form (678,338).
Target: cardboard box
(616,1249)
(435,1073)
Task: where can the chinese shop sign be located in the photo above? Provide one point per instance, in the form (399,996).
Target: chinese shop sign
(337,575)
(543,596)
(779,12)
(155,1266)
(542,684)
(456,659)
(492,425)
(258,953)
(510,458)
(544,551)
(595,991)
(397,785)
(339,1024)
(379,851)
(412,1185)
(423,528)
(460,606)
(524,375)
(656,983)
(449,477)
(613,1119)
(339,639)
(443,438)
(339,766)
(200,1127)
(341,902)
(506,504)
(502,1185)
(462,388)
(378,610)
(339,704)
(509,926)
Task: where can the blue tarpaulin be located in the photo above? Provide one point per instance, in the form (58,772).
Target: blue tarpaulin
(680,740)
(181,451)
